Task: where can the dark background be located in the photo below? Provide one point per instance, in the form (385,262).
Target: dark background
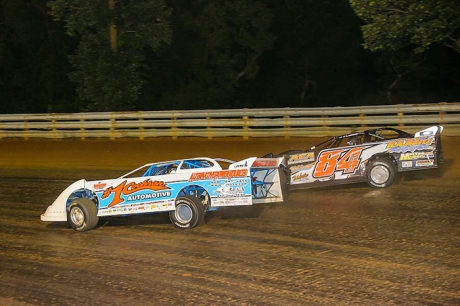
(310,54)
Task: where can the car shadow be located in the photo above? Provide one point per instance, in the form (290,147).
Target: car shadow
(224,213)
(130,220)
(238,212)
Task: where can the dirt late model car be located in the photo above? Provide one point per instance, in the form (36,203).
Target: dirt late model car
(185,188)
(373,156)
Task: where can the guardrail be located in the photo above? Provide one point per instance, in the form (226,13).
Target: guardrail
(245,123)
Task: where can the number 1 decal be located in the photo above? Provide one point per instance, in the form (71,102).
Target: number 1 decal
(346,160)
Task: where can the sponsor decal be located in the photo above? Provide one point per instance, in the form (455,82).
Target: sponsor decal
(226,191)
(415,155)
(302,158)
(261,162)
(231,201)
(149,196)
(236,183)
(241,165)
(223,174)
(424,163)
(410,145)
(297,168)
(99,185)
(158,205)
(300,177)
(216,184)
(406,164)
(346,160)
(130,188)
(135,208)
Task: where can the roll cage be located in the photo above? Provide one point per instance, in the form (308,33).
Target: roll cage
(367,136)
(168,167)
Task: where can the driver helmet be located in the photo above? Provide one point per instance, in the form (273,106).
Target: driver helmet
(352,141)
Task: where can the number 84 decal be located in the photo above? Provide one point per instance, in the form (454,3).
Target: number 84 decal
(346,160)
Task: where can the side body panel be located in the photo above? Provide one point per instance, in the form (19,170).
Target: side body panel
(331,166)
(347,164)
(149,194)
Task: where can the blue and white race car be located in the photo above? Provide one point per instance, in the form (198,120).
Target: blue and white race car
(186,188)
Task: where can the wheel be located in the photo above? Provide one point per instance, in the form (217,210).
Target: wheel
(82,214)
(381,173)
(189,212)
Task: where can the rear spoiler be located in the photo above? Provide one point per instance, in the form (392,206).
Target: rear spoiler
(436,132)
(431,131)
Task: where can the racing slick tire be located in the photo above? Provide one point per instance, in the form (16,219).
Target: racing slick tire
(381,173)
(82,214)
(189,212)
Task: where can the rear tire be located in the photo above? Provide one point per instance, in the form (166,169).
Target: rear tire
(189,212)
(82,214)
(381,173)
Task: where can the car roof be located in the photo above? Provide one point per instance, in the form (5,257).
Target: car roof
(184,164)
(375,131)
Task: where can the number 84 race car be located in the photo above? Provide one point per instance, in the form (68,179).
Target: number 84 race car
(185,188)
(373,156)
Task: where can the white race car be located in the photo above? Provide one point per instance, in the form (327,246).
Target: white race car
(185,188)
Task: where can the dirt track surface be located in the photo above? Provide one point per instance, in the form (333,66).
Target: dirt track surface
(350,245)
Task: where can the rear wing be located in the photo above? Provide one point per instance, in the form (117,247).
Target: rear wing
(435,131)
(268,181)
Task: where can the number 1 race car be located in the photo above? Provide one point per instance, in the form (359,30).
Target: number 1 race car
(373,156)
(185,188)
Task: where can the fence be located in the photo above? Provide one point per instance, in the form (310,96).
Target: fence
(245,123)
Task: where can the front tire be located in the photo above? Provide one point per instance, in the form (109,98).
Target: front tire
(82,214)
(189,212)
(381,173)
